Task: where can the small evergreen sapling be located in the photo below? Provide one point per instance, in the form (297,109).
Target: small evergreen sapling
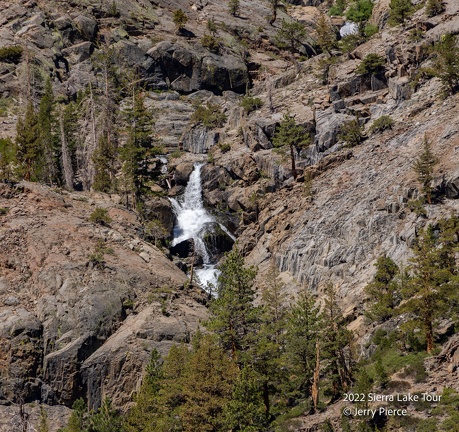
(233,7)
(424,169)
(180,19)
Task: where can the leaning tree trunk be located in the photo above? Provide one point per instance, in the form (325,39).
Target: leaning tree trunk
(292,157)
(66,159)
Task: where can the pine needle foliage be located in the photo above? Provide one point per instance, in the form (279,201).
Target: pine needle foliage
(424,168)
(289,137)
(446,63)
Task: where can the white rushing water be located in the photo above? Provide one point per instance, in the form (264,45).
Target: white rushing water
(191,219)
(349,28)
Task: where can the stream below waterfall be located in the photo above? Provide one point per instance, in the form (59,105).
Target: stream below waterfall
(194,222)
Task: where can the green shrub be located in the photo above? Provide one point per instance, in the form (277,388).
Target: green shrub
(351,42)
(416,35)
(97,258)
(225,147)
(11,54)
(360,11)
(180,19)
(416,370)
(250,103)
(351,133)
(4,211)
(371,64)
(381,124)
(370,30)
(100,216)
(211,43)
(211,26)
(209,116)
(113,10)
(434,7)
(338,8)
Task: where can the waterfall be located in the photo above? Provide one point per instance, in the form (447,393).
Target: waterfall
(192,221)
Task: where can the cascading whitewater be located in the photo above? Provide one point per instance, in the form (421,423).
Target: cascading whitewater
(192,218)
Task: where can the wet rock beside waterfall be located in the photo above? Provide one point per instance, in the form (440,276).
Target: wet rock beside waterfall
(182,173)
(183,249)
(216,240)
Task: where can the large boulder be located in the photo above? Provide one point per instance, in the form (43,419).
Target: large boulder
(328,124)
(216,240)
(87,27)
(183,249)
(160,209)
(188,69)
(452,186)
(135,55)
(182,173)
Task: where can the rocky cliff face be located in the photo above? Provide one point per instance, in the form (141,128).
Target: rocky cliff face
(74,324)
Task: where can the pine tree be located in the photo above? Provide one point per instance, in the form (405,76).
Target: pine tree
(446,63)
(67,163)
(207,387)
(138,150)
(106,419)
(336,340)
(268,345)
(427,293)
(103,159)
(78,419)
(326,35)
(28,145)
(399,10)
(7,159)
(381,374)
(360,12)
(43,425)
(383,290)
(142,417)
(233,7)
(246,411)
(290,35)
(424,168)
(304,327)
(49,150)
(234,317)
(289,137)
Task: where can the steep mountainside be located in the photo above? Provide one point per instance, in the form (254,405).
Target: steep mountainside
(84,300)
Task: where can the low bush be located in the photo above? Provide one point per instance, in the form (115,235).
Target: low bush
(210,116)
(250,103)
(11,54)
(351,133)
(211,43)
(225,147)
(371,64)
(100,216)
(381,124)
